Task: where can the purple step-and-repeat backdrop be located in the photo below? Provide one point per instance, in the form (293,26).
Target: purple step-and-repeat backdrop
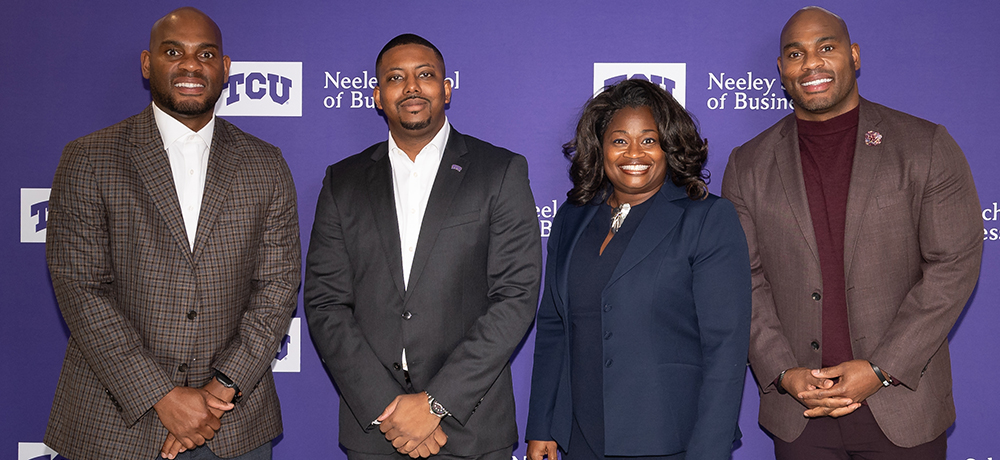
(521,71)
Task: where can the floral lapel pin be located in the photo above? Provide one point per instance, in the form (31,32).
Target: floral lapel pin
(873,138)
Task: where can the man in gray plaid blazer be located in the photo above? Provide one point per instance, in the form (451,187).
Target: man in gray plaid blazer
(173,247)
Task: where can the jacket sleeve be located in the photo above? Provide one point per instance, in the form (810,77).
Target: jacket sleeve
(769,352)
(514,265)
(78,252)
(550,349)
(362,381)
(951,246)
(275,287)
(721,288)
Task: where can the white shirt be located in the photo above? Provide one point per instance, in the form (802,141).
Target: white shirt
(188,154)
(411,187)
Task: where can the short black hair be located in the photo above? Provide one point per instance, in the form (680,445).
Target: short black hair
(408,39)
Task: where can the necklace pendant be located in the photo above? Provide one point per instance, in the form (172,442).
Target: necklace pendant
(618,217)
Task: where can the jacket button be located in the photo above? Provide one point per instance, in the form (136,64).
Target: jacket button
(407,315)
(183,367)
(816,296)
(609,362)
(192,315)
(396,366)
(815,345)
(607,335)
(607,308)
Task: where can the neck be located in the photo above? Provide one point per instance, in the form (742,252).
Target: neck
(412,143)
(618,199)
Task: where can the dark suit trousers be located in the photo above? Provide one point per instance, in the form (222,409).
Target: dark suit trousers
(855,436)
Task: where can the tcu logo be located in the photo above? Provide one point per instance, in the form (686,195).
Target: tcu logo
(262,89)
(36,451)
(257,86)
(289,356)
(670,76)
(664,82)
(34,214)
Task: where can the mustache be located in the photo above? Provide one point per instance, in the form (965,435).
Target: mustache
(400,103)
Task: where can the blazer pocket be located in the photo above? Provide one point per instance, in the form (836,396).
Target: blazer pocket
(461,219)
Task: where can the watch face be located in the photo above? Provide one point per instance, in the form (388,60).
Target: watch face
(438,409)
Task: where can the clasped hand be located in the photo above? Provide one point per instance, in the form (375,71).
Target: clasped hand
(192,416)
(409,425)
(832,391)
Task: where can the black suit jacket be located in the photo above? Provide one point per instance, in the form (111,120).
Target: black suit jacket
(472,292)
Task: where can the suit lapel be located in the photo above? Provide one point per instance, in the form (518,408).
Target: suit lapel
(379,179)
(659,221)
(153,165)
(789,163)
(223,162)
(446,184)
(863,173)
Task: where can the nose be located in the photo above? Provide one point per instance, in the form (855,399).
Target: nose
(634,150)
(412,85)
(812,61)
(190,63)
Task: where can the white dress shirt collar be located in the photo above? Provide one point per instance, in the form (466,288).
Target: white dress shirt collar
(172,129)
(435,147)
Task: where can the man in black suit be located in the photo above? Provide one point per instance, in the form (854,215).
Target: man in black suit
(422,275)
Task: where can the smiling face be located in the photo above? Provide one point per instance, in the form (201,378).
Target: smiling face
(818,65)
(634,160)
(412,91)
(185,66)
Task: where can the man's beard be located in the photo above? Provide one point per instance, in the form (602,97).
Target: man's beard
(167,101)
(415,125)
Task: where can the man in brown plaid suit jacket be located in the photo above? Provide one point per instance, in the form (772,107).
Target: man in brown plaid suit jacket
(167,327)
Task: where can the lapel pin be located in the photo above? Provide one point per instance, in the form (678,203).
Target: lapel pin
(456,168)
(873,138)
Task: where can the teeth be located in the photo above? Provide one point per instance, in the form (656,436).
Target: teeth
(189,85)
(817,82)
(637,168)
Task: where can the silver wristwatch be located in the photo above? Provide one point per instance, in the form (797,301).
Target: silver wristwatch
(436,407)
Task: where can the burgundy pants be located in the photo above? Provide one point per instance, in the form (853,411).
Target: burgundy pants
(855,436)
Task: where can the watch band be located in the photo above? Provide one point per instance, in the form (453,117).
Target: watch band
(880,375)
(228,383)
(436,407)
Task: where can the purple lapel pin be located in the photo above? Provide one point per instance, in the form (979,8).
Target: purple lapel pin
(456,168)
(873,138)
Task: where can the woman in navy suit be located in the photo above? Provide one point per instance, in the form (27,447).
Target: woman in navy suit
(643,327)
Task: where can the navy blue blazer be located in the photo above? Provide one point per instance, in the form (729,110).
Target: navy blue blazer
(678,308)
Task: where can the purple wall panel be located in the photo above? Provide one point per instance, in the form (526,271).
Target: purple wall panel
(524,70)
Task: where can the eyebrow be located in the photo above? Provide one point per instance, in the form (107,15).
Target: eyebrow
(799,44)
(640,132)
(417,67)
(181,45)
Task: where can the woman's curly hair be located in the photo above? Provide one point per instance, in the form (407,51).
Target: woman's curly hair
(686,151)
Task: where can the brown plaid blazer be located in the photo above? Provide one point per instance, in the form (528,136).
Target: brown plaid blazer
(146,313)
(912,246)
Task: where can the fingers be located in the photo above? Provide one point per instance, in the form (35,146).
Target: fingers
(840,412)
(388,410)
(440,437)
(539,449)
(422,451)
(214,402)
(171,447)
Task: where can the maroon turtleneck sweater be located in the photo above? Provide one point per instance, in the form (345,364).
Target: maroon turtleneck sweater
(827,152)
